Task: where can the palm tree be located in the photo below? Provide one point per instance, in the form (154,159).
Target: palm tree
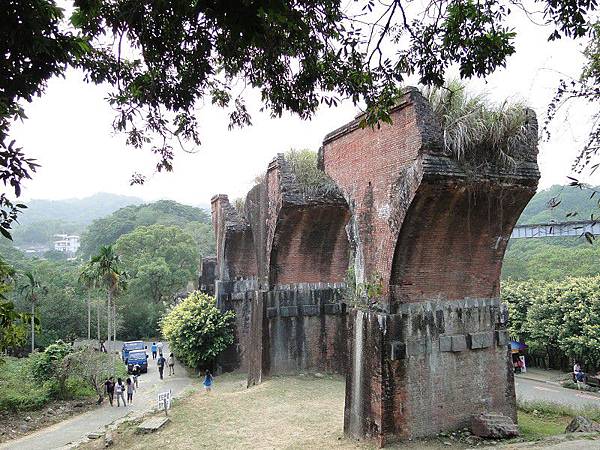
(31,291)
(88,278)
(106,268)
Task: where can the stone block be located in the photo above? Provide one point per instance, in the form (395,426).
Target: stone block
(445,343)
(502,337)
(332,308)
(397,350)
(456,343)
(459,343)
(482,339)
(310,310)
(288,311)
(271,312)
(490,425)
(581,424)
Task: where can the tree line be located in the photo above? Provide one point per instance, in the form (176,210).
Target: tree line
(124,286)
(558,320)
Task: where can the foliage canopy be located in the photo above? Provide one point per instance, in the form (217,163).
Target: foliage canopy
(163,58)
(557,317)
(197,331)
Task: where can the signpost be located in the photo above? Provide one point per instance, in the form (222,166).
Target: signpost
(164,401)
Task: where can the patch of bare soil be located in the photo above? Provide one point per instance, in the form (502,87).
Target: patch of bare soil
(17,424)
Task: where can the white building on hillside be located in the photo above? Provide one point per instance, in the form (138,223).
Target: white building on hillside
(67,243)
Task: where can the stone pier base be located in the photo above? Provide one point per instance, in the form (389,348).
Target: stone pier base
(427,369)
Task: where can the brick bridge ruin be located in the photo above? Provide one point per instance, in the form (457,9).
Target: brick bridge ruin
(389,276)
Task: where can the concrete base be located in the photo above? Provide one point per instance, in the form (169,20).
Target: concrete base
(153,424)
(427,369)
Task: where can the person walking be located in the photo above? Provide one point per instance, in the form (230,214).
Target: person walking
(120,392)
(161,365)
(153,350)
(171,364)
(580,379)
(159,348)
(130,390)
(208,381)
(136,373)
(109,387)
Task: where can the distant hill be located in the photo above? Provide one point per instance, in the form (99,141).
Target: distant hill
(76,210)
(44,218)
(107,230)
(568,199)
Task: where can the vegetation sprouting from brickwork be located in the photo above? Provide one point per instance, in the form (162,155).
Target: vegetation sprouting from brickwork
(476,131)
(311,179)
(240,206)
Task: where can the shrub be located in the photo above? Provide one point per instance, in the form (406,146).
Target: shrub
(44,365)
(197,331)
(89,369)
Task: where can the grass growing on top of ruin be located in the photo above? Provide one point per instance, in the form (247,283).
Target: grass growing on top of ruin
(303,164)
(477,131)
(291,412)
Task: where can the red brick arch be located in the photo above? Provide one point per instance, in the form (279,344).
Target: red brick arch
(310,245)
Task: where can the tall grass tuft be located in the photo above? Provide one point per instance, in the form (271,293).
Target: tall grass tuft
(477,131)
(311,179)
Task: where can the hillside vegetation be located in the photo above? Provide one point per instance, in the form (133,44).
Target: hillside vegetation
(107,230)
(161,245)
(555,258)
(566,199)
(44,218)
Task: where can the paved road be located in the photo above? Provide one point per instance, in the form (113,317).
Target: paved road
(536,390)
(63,433)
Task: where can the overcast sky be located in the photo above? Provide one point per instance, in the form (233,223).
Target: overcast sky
(69,132)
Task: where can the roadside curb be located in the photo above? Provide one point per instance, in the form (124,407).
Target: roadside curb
(556,383)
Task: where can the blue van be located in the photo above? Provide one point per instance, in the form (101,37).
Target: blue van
(129,346)
(139,357)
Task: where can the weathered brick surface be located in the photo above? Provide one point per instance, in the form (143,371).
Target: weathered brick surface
(432,350)
(236,254)
(300,257)
(237,296)
(402,382)
(303,342)
(434,233)
(208,275)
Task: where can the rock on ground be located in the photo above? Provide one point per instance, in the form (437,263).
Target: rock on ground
(492,425)
(582,425)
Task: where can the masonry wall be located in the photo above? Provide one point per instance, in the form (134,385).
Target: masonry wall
(240,254)
(427,369)
(453,240)
(237,296)
(378,171)
(307,328)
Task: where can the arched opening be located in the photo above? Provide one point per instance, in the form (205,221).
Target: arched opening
(452,241)
(310,245)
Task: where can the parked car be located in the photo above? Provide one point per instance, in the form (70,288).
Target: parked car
(139,357)
(129,346)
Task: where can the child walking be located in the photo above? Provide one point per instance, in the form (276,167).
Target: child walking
(130,391)
(208,381)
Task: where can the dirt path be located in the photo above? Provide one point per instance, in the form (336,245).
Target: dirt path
(63,434)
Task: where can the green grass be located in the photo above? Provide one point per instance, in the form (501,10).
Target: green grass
(18,390)
(541,419)
(535,426)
